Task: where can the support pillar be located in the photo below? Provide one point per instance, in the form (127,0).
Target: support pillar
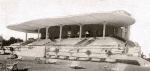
(127,32)
(38,33)
(80,33)
(60,33)
(26,38)
(1,41)
(123,32)
(104,30)
(47,33)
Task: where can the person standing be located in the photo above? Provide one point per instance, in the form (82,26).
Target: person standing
(109,53)
(11,49)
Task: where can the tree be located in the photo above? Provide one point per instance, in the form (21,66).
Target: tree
(11,40)
(1,38)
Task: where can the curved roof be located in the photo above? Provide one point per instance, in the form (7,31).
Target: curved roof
(117,18)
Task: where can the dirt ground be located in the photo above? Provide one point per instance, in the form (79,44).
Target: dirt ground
(64,65)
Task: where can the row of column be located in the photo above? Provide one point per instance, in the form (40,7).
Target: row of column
(61,27)
(80,32)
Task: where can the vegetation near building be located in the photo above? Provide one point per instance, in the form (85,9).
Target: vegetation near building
(10,41)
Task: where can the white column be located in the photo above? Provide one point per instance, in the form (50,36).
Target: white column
(47,33)
(39,33)
(127,32)
(60,33)
(1,41)
(104,29)
(26,36)
(80,33)
(123,32)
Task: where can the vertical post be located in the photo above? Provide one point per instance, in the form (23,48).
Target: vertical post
(38,33)
(1,41)
(80,33)
(104,29)
(60,33)
(114,32)
(26,36)
(47,34)
(45,54)
(1,44)
(127,32)
(123,32)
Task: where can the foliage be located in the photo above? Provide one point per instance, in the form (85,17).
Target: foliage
(11,40)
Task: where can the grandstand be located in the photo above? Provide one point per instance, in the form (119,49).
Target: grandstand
(95,37)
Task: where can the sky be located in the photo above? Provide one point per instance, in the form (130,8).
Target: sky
(18,11)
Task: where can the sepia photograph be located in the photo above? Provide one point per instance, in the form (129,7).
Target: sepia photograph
(74,35)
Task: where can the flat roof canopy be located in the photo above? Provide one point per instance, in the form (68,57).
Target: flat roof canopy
(116,18)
